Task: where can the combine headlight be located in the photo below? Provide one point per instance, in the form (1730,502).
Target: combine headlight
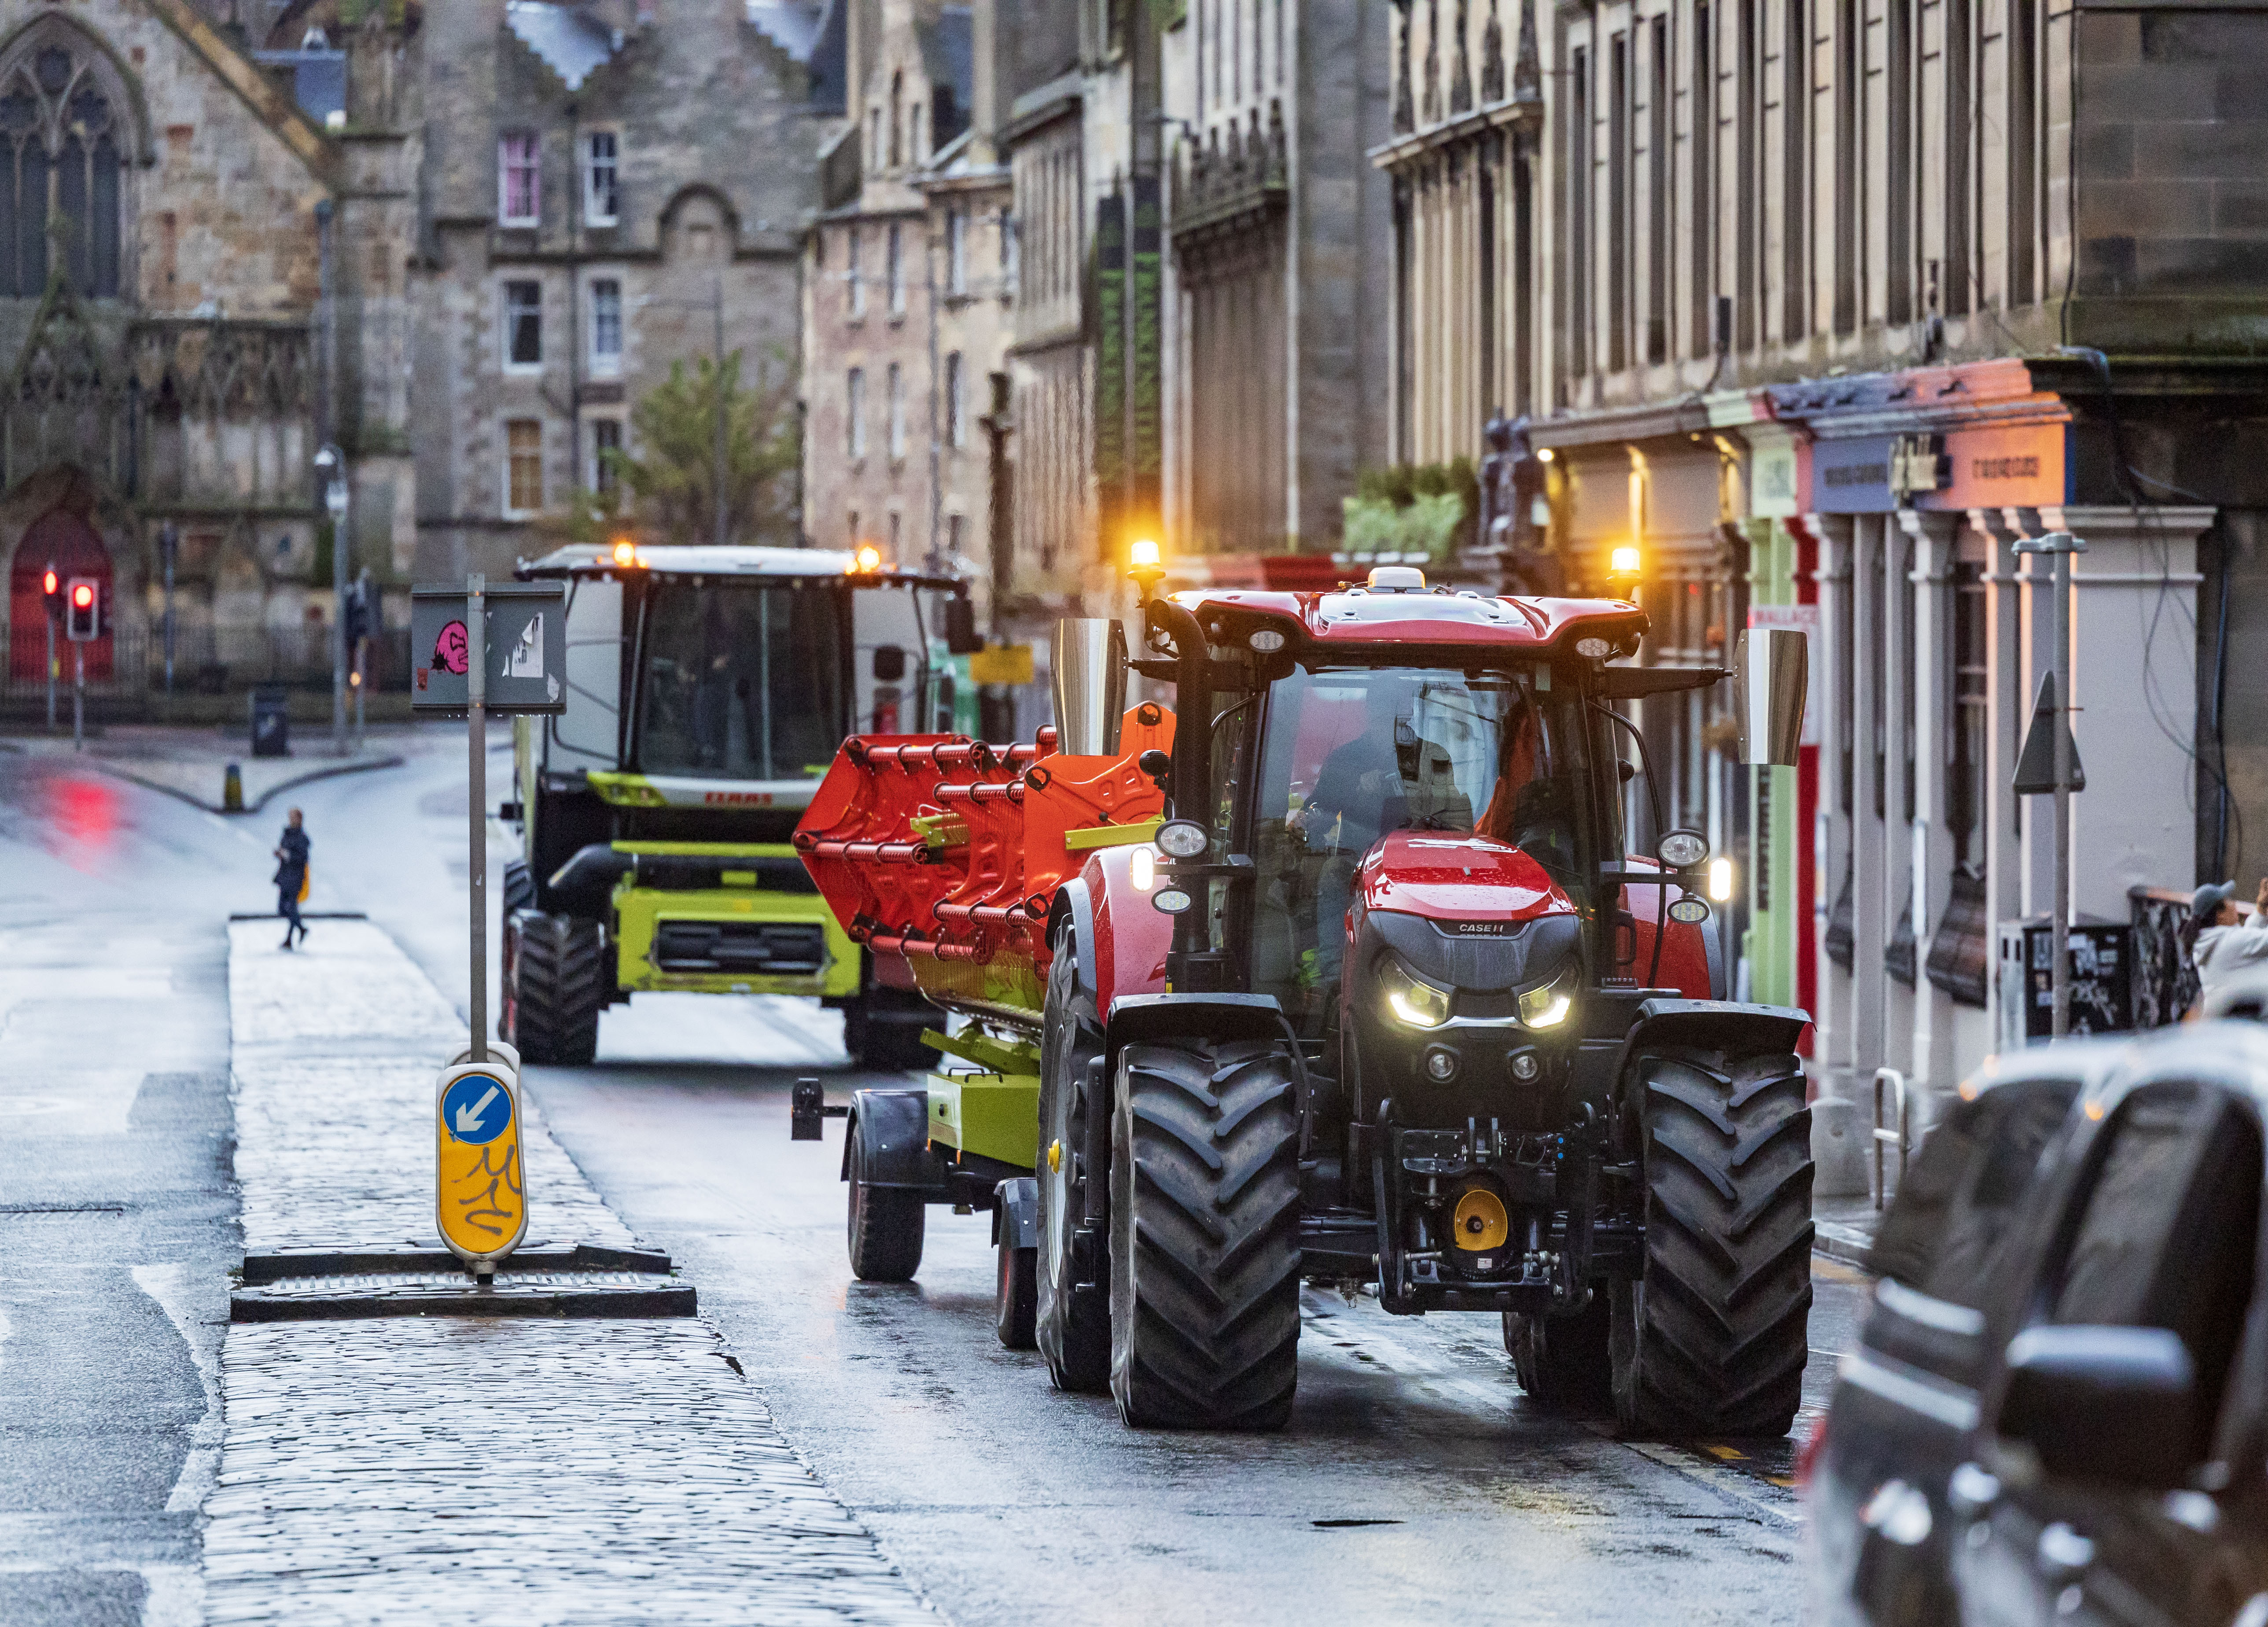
(1548,1007)
(1419,1004)
(1182,838)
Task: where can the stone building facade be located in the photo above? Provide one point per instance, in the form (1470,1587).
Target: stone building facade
(607,191)
(217,295)
(1838,302)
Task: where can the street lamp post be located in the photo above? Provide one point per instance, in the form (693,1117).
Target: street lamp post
(330,463)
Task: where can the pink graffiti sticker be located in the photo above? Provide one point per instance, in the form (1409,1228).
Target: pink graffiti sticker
(449,651)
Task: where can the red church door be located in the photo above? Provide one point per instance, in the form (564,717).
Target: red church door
(67,541)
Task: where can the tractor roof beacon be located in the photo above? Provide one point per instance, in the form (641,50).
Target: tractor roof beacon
(707,689)
(1349,957)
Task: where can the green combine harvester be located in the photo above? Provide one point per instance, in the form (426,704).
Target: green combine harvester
(708,689)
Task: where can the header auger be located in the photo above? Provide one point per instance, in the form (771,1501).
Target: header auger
(1349,978)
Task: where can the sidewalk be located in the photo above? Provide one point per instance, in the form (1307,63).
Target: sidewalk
(1844,1228)
(192,763)
(412,1467)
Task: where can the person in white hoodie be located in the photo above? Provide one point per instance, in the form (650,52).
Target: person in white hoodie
(2229,947)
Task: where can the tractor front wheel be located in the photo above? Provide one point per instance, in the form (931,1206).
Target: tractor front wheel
(1712,1339)
(1562,1361)
(556,983)
(1205,1234)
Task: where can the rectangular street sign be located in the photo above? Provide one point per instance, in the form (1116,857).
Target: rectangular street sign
(526,643)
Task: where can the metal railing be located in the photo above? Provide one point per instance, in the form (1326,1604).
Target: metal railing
(1900,1135)
(207,660)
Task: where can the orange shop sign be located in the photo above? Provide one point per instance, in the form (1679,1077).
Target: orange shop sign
(2003,466)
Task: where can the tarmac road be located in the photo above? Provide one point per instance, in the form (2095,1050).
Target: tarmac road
(1415,1480)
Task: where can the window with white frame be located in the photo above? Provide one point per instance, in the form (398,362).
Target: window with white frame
(1008,253)
(523,325)
(854,419)
(519,179)
(606,448)
(894,271)
(605,326)
(856,278)
(602,178)
(897,412)
(956,252)
(523,470)
(956,416)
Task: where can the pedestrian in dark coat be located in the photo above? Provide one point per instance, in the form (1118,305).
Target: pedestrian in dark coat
(291,876)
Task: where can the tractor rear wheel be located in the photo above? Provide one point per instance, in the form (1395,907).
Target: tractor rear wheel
(886,1224)
(558,985)
(1072,1329)
(1712,1338)
(1562,1361)
(1205,1234)
(519,886)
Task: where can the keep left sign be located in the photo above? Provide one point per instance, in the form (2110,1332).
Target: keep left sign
(481,1194)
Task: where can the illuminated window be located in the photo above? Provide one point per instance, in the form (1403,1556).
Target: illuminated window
(519,187)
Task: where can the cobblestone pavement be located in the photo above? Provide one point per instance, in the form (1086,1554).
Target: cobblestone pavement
(416,1468)
(337,1044)
(522,1472)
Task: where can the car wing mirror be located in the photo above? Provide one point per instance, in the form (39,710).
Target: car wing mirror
(2117,1405)
(1771,676)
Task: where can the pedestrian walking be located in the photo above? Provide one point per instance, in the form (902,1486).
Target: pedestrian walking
(2228,947)
(291,877)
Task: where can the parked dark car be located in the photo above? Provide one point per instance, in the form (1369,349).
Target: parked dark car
(2059,1409)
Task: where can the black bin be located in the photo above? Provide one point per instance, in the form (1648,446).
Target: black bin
(271,721)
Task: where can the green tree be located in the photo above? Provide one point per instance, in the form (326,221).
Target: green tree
(666,490)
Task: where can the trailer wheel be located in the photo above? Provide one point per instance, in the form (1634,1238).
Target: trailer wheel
(1015,1297)
(1712,1338)
(1562,1361)
(556,987)
(885,1223)
(1204,1235)
(1072,1329)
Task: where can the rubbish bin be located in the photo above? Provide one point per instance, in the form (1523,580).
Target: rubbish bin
(271,721)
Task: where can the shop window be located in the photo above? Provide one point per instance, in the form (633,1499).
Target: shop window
(1969,717)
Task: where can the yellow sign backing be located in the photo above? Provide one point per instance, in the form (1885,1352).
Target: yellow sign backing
(481,1200)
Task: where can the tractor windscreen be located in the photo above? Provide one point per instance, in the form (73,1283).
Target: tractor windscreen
(1350,755)
(743,680)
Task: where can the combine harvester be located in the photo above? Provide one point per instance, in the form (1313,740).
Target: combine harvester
(1338,971)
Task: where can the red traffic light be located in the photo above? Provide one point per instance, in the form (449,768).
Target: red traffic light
(83,595)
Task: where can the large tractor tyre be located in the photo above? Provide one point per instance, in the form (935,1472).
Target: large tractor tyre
(886,1224)
(1712,1339)
(1073,1330)
(559,985)
(519,886)
(1204,1235)
(1563,1361)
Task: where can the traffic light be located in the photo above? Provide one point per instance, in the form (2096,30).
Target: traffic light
(81,609)
(51,586)
(357,609)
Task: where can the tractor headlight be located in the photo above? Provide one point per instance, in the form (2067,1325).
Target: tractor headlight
(1419,1004)
(1548,1007)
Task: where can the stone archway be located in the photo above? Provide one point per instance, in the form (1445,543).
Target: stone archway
(66,538)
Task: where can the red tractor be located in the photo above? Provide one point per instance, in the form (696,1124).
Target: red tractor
(1340,971)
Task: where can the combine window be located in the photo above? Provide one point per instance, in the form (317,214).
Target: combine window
(742,681)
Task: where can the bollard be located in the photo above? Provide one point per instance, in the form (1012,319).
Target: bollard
(231,791)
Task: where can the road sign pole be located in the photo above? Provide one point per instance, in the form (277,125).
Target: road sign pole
(51,672)
(2061,919)
(476,732)
(78,698)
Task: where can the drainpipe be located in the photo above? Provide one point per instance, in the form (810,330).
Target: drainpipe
(575,298)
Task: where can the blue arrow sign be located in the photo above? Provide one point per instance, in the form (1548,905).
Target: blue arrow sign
(476,1109)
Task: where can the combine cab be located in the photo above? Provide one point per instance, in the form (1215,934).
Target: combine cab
(1383,1000)
(708,689)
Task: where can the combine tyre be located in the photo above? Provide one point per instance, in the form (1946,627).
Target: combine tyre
(558,984)
(1711,1339)
(1204,1235)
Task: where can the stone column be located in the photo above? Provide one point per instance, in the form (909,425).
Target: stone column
(1838,1144)
(1934,1072)
(1897,665)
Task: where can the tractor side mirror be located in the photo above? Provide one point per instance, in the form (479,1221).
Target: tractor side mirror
(1089,675)
(961,635)
(1770,674)
(889,663)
